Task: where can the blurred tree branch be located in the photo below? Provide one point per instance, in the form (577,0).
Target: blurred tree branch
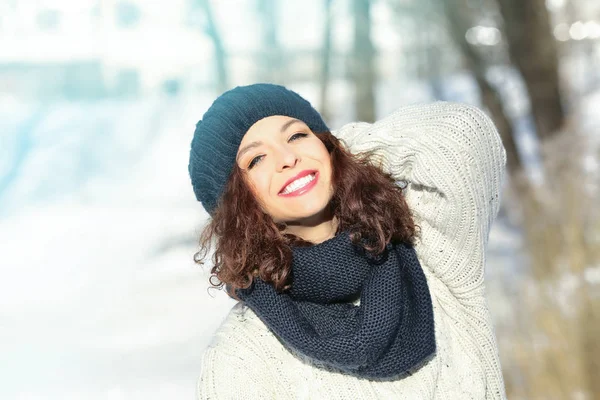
(458,24)
(212,32)
(325,61)
(271,69)
(533,49)
(363,72)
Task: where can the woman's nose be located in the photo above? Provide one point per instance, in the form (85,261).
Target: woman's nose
(286,159)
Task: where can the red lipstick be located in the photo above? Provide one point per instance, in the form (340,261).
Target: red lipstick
(303,189)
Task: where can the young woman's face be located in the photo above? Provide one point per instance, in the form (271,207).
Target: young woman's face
(288,169)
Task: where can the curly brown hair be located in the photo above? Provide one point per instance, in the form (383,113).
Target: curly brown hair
(366,202)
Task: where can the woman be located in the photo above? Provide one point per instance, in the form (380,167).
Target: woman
(357,256)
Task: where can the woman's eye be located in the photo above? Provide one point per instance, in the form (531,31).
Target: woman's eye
(296,136)
(255,161)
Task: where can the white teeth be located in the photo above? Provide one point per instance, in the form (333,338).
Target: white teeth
(298,183)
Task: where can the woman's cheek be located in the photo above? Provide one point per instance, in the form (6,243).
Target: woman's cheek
(261,188)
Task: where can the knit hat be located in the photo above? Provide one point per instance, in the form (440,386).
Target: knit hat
(220,131)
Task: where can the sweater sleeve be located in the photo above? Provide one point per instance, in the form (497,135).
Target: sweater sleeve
(453,160)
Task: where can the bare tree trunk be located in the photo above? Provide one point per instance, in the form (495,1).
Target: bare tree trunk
(363,71)
(213,33)
(492,101)
(272,68)
(325,62)
(533,49)
(458,25)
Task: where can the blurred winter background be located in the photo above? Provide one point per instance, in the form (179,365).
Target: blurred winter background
(99,295)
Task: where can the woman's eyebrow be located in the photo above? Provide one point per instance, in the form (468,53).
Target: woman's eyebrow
(252,145)
(247,147)
(289,123)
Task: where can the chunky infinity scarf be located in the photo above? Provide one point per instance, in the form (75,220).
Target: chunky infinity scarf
(385,337)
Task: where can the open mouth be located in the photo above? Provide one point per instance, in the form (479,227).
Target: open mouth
(297,185)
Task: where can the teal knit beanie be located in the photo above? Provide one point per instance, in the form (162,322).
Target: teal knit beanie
(220,131)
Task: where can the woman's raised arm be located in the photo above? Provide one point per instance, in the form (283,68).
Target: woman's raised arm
(452,158)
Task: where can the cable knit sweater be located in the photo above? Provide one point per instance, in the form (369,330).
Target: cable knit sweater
(452,160)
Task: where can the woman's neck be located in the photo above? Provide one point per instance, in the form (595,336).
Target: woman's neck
(315,232)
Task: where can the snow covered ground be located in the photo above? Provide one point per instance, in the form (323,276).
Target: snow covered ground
(99,296)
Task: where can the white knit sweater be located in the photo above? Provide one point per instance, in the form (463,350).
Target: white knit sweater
(452,159)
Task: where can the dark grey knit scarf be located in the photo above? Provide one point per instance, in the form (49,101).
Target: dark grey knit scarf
(390,333)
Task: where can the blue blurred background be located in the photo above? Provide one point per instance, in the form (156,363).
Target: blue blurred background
(99,295)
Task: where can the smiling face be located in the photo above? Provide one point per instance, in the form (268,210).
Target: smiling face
(288,169)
